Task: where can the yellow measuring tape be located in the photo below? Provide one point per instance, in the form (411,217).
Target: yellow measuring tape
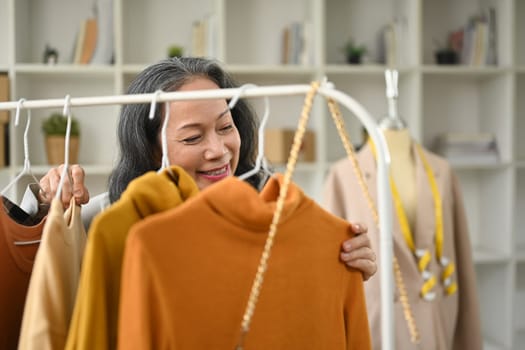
(423,255)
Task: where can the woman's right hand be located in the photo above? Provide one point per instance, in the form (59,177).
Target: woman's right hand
(73,186)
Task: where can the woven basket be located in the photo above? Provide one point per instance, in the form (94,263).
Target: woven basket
(55,146)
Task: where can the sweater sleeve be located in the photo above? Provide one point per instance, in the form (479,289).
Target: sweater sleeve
(356,317)
(139,317)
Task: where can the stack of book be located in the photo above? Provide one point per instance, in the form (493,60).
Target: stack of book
(296,47)
(393,46)
(468,148)
(204,39)
(476,41)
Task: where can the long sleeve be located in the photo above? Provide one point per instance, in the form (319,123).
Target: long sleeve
(357,330)
(139,307)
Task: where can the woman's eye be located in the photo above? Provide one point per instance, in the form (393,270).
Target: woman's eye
(191,140)
(226,128)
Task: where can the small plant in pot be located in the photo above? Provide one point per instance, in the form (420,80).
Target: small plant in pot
(54,128)
(354,53)
(175,51)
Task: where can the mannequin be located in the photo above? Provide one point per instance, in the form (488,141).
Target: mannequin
(402,169)
(402,165)
(440,292)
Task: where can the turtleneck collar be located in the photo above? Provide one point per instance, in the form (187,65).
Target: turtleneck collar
(240,203)
(156,192)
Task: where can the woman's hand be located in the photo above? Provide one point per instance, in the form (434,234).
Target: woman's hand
(357,252)
(73,186)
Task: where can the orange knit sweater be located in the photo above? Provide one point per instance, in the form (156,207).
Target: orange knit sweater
(16,264)
(187,274)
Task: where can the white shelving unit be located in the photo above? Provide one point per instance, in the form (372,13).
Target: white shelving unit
(433,98)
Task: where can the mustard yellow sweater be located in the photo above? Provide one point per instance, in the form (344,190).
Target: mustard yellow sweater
(94,321)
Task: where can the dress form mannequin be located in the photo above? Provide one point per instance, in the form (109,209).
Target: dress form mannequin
(397,135)
(402,169)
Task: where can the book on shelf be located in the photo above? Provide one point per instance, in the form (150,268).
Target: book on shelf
(204,40)
(392,46)
(296,43)
(462,148)
(86,41)
(78,43)
(476,41)
(105,43)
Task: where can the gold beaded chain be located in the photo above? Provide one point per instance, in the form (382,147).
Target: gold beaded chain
(403,295)
(290,166)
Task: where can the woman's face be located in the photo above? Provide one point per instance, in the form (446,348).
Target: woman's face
(201,136)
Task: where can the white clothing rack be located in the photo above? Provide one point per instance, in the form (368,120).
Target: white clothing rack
(326,90)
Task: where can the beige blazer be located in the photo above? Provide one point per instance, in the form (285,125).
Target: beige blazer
(447,322)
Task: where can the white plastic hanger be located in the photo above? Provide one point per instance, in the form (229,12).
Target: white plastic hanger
(27,164)
(165,162)
(65,171)
(260,161)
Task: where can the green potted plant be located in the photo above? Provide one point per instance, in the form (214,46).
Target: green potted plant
(354,52)
(175,51)
(54,128)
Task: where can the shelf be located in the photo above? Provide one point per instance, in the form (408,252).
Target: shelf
(484,255)
(90,170)
(300,167)
(519,305)
(489,345)
(150,27)
(133,68)
(65,69)
(519,339)
(286,70)
(433,99)
(362,69)
(520,252)
(462,70)
(495,166)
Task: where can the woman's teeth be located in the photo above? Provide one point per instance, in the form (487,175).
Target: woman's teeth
(215,172)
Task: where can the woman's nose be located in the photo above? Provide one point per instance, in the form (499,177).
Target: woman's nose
(216,148)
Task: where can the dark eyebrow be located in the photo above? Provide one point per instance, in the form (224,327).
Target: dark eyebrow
(193,125)
(224,113)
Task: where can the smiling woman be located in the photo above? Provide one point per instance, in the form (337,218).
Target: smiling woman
(199,135)
(202,137)
(205,138)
